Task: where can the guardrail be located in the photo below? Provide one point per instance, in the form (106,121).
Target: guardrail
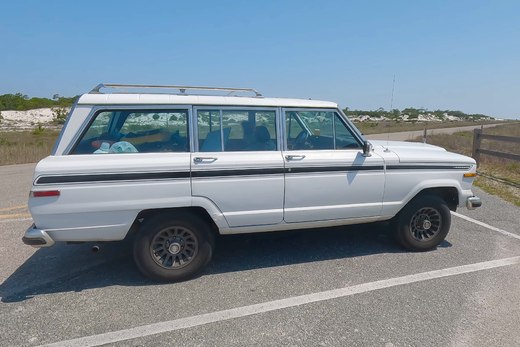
(478,136)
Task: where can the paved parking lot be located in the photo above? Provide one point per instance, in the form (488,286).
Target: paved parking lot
(325,287)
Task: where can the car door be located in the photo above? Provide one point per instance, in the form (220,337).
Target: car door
(238,164)
(327,176)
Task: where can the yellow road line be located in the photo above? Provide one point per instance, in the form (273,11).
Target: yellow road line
(12,208)
(14,215)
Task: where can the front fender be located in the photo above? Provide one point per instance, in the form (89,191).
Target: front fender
(395,199)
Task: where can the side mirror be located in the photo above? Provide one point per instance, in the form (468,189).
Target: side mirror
(367,148)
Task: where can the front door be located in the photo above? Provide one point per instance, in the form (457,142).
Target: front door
(238,165)
(327,176)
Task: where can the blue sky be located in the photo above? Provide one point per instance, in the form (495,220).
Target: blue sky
(459,55)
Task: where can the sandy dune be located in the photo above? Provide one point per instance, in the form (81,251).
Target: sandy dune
(26,119)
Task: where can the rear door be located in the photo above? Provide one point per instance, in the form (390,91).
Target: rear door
(237,163)
(327,176)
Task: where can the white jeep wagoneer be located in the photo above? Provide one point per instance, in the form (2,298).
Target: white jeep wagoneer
(176,165)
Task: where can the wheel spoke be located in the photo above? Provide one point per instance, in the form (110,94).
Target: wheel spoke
(425,223)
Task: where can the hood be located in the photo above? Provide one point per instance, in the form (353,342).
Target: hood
(418,152)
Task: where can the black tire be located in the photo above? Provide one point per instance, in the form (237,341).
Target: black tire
(173,248)
(423,223)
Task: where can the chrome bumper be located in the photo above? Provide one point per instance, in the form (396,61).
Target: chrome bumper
(37,238)
(473,202)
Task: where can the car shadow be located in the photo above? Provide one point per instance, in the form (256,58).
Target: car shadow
(74,268)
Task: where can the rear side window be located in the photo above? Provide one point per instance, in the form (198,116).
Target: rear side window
(135,131)
(236,130)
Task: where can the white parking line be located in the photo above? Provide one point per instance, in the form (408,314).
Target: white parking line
(218,316)
(507,233)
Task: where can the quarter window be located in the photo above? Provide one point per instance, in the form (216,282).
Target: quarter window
(131,131)
(99,126)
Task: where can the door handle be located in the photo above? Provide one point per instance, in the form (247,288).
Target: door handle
(294,157)
(198,160)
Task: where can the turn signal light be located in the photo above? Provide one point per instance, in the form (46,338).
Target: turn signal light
(45,193)
(470,174)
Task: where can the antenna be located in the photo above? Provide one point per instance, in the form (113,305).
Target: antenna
(391,108)
(392,98)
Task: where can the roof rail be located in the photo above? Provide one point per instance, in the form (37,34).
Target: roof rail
(182,89)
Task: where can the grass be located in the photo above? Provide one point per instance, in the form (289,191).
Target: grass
(505,169)
(20,147)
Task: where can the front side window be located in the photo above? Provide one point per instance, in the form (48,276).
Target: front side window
(236,130)
(317,130)
(133,131)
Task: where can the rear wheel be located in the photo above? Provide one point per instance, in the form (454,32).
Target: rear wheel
(423,224)
(173,248)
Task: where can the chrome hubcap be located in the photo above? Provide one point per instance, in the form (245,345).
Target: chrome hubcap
(174,248)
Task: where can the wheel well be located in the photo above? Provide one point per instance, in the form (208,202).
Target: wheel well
(193,211)
(449,194)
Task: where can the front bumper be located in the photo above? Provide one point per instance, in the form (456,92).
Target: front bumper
(473,202)
(37,238)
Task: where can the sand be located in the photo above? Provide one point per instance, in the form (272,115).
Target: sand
(19,120)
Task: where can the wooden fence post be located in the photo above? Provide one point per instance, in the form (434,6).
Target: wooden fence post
(476,145)
(424,136)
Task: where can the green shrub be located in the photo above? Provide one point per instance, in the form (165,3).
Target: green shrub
(38,130)
(59,115)
(21,102)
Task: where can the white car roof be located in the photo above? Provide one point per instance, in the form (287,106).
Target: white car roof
(173,99)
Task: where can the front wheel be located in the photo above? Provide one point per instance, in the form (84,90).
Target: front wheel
(173,248)
(423,224)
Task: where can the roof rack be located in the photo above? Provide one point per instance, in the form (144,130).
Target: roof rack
(182,89)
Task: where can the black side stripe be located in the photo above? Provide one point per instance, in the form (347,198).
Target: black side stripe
(334,168)
(242,172)
(111,177)
(428,167)
(248,172)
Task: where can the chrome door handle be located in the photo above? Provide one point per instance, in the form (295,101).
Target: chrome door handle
(294,157)
(198,160)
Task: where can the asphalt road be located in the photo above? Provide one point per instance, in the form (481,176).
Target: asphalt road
(410,135)
(325,287)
